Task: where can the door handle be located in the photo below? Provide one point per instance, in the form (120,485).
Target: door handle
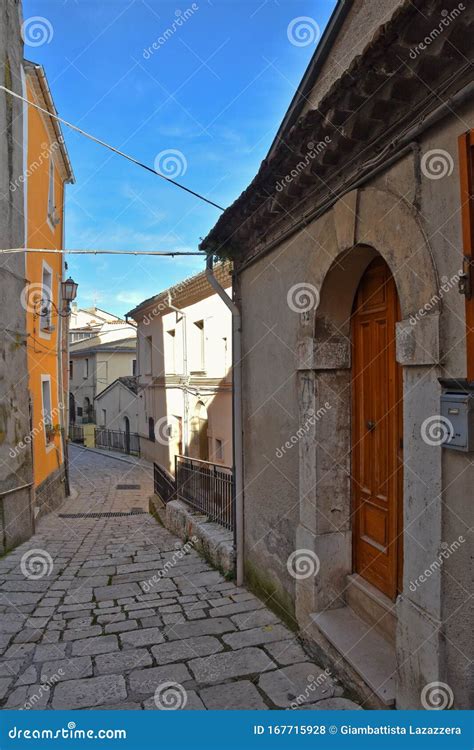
(370,425)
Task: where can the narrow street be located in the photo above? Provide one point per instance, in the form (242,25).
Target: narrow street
(112,612)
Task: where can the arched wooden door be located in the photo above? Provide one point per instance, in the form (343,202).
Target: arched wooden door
(377,432)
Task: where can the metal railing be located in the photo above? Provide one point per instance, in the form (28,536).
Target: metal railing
(76,433)
(117,440)
(164,484)
(206,487)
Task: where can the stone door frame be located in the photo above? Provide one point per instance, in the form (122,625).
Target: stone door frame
(367,223)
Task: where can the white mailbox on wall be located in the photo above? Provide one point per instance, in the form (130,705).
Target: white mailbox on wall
(457,411)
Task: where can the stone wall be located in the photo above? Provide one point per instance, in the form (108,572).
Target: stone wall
(297,480)
(16,517)
(51,494)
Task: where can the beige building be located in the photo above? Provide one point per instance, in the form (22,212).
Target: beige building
(358,353)
(184,382)
(95,364)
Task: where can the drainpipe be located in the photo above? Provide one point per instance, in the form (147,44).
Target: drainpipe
(185,373)
(236,417)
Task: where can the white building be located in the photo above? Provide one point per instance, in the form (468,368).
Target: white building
(116,407)
(88,322)
(184,379)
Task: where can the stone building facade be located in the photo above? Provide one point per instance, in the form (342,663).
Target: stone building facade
(16,489)
(348,255)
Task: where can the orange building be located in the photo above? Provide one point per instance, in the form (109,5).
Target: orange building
(46,171)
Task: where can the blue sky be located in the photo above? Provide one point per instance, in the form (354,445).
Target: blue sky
(214,91)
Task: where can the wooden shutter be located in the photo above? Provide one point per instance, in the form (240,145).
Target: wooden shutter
(466,171)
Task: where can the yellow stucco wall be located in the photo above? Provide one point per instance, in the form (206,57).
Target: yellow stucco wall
(43,345)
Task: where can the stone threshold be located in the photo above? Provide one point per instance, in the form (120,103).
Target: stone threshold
(214,542)
(363,649)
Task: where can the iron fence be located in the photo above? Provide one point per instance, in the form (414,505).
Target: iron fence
(206,487)
(164,484)
(117,440)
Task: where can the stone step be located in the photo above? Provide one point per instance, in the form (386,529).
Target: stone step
(376,609)
(370,655)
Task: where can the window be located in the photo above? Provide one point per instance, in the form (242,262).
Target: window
(46,297)
(85,374)
(170,365)
(134,367)
(47,416)
(71,369)
(79,411)
(219,450)
(51,201)
(146,350)
(151,429)
(104,417)
(200,346)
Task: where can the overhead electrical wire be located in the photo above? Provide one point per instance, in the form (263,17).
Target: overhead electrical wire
(112,148)
(172,253)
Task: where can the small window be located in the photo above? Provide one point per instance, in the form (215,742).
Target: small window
(71,369)
(47,416)
(51,200)
(79,411)
(200,347)
(46,297)
(151,429)
(147,355)
(170,365)
(104,417)
(134,367)
(86,368)
(219,450)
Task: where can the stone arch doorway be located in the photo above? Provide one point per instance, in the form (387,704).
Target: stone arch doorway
(362,226)
(199,445)
(126,425)
(377,432)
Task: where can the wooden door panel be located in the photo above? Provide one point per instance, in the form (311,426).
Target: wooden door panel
(376,413)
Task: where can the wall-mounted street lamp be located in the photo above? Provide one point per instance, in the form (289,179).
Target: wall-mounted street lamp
(69,292)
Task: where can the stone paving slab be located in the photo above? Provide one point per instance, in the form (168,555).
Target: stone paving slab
(242,695)
(219,667)
(122,619)
(89,693)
